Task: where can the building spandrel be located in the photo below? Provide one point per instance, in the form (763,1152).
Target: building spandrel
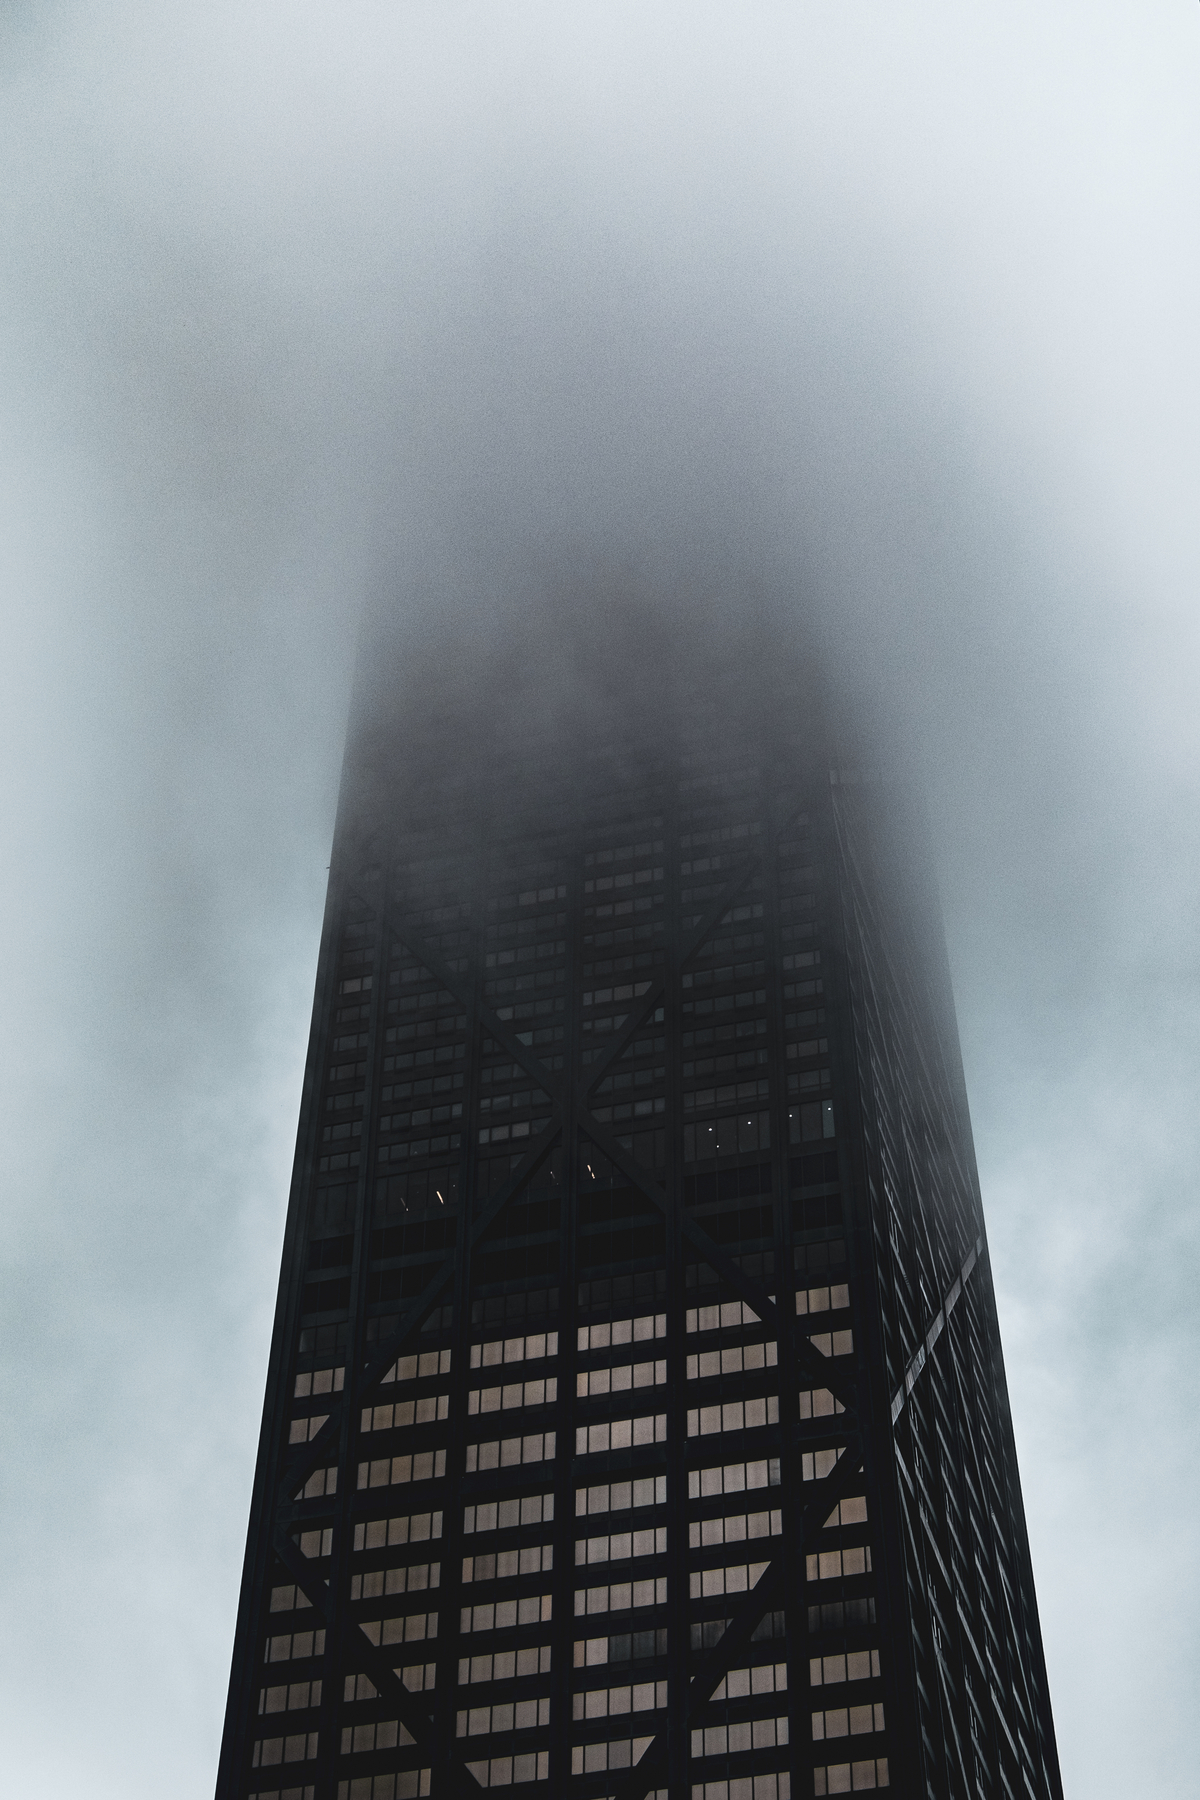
(635,1421)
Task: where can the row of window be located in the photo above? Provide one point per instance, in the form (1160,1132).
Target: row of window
(621,1496)
(425,1410)
(442,1026)
(774,1786)
(614,1702)
(300,1747)
(293,1644)
(733,972)
(733,1415)
(725,1034)
(703,1009)
(612,1753)
(851,1778)
(289,1598)
(350,1071)
(409,1528)
(700,1099)
(294,1696)
(735,1359)
(615,1332)
(504,1665)
(418,1678)
(501,1515)
(497,1073)
(419,1002)
(612,1085)
(630,990)
(551,947)
(807,1081)
(621,1647)
(512,1394)
(852,1510)
(394,1471)
(507,1771)
(827,1565)
(854,1665)
(619,1546)
(416,1147)
(420,1059)
(348,1129)
(719,1065)
(604,884)
(379,1734)
(607,1023)
(763,1678)
(734,1528)
(302,1431)
(505,1715)
(320,1381)
(733,1478)
(515,1102)
(848,1721)
(529,897)
(716,1318)
(521,1129)
(596,858)
(530,1348)
(406,1578)
(621,909)
(815,1465)
(832,1615)
(408,1784)
(748,1734)
(822,1299)
(424,1089)
(525,984)
(534,1559)
(729,1578)
(318,1542)
(502,1565)
(818,1403)
(508,1453)
(809,1123)
(719,834)
(409,1628)
(619,1378)
(621,1596)
(620,1434)
(738,1134)
(500,1615)
(320,1484)
(637,1109)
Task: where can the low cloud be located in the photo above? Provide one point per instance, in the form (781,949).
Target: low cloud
(309,314)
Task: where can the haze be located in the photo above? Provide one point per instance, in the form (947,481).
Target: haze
(891,307)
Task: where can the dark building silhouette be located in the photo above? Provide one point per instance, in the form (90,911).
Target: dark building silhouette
(636,1421)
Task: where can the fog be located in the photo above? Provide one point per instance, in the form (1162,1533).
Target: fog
(313,309)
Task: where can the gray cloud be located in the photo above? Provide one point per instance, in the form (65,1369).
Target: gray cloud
(889,309)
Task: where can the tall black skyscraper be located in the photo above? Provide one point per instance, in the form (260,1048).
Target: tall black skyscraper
(635,1421)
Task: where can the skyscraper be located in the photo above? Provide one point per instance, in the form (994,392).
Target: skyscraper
(635,1419)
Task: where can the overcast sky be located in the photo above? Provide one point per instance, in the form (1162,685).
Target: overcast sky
(894,302)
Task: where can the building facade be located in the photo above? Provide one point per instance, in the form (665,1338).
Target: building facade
(635,1421)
